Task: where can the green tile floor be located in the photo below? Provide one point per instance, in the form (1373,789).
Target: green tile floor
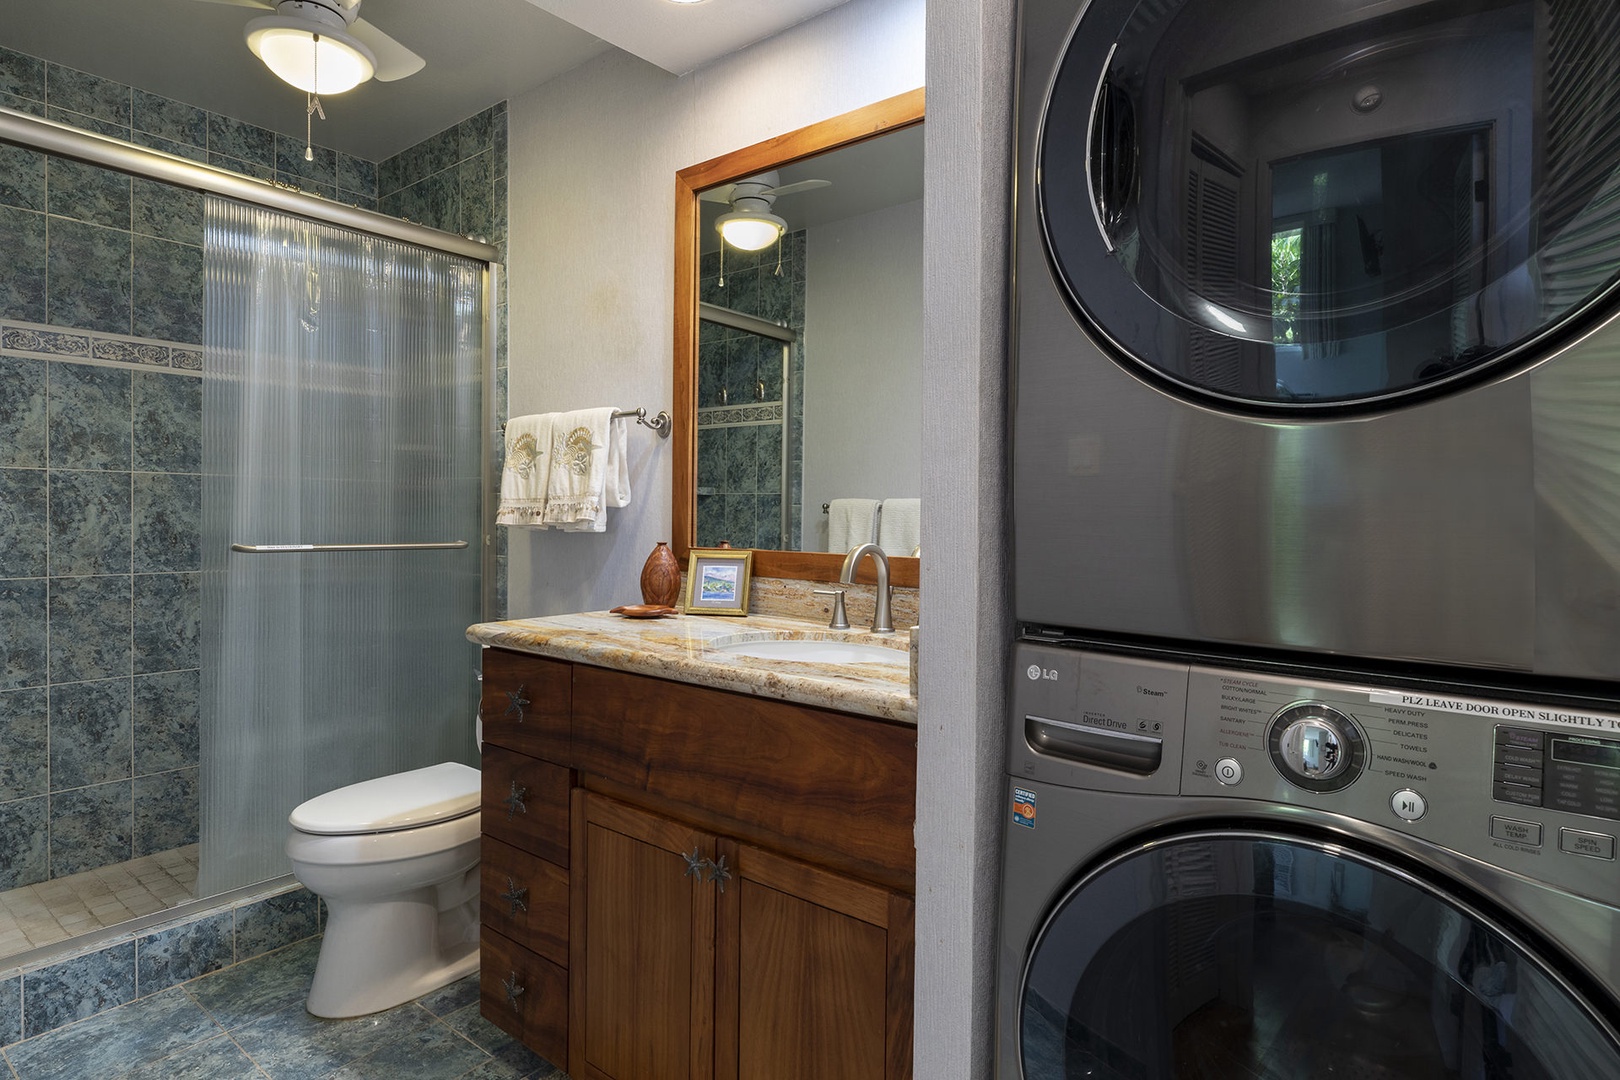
(248,1023)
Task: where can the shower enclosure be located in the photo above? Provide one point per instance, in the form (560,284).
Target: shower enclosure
(342,400)
(166,700)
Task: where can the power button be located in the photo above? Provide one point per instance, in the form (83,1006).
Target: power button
(1228,771)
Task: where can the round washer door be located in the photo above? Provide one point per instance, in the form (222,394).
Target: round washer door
(1290,207)
(1213,956)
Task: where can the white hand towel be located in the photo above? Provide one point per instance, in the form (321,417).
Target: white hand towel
(576,481)
(851,522)
(615,481)
(900,526)
(523,477)
(616,487)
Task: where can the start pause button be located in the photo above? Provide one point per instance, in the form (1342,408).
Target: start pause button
(1408,804)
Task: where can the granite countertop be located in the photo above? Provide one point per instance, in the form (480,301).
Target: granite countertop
(681,647)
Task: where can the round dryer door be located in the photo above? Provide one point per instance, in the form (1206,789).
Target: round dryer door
(1291,206)
(1222,955)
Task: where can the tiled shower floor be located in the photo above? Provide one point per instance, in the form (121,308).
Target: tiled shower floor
(248,1022)
(65,907)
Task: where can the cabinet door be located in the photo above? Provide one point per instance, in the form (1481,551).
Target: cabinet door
(641,964)
(815,975)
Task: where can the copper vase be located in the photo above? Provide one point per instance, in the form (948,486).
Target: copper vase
(661,577)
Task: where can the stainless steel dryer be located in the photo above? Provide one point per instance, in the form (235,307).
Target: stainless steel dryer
(1315,336)
(1217,874)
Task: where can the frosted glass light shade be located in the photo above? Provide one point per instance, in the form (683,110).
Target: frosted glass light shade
(297,54)
(749,232)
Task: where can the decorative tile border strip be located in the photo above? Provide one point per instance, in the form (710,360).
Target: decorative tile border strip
(721,415)
(122,350)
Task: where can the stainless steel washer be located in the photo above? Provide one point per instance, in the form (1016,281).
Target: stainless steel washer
(1316,338)
(1219,873)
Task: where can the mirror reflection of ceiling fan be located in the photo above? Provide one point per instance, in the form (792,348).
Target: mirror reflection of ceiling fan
(323,46)
(750,225)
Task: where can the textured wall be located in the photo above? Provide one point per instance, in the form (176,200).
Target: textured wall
(966,622)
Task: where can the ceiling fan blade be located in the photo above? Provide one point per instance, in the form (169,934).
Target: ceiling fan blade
(721,194)
(802,185)
(394,61)
(267,5)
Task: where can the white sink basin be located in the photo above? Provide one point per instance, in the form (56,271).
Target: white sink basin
(816,651)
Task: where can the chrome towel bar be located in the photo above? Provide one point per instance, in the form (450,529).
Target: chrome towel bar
(661,423)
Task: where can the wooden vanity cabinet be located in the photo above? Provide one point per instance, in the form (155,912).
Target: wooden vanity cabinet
(739,875)
(523,865)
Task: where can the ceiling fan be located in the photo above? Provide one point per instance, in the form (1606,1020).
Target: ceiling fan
(750,225)
(323,46)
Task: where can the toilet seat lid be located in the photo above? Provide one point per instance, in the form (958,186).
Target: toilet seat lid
(402,801)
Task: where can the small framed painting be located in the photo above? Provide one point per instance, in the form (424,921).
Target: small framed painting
(717,581)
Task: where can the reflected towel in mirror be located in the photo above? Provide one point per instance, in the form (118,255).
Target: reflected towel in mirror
(899,526)
(851,522)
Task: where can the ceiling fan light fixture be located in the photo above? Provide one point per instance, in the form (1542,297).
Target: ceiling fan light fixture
(298,51)
(749,230)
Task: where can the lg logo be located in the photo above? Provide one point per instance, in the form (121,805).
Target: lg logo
(1036,673)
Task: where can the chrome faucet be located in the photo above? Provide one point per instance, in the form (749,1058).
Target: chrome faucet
(882,621)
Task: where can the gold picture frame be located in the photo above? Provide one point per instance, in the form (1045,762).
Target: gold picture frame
(717,581)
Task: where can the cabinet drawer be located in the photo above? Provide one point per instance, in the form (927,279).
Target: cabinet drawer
(525,995)
(525,803)
(525,898)
(768,770)
(526,703)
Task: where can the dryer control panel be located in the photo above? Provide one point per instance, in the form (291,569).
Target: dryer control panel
(1529,789)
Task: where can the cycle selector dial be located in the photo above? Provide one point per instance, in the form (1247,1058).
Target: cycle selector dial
(1316,747)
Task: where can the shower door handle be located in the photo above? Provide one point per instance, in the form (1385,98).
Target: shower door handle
(305,549)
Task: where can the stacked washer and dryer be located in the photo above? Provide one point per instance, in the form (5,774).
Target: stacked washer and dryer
(1314,742)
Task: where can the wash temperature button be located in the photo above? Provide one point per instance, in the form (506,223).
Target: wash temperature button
(1408,804)
(1228,771)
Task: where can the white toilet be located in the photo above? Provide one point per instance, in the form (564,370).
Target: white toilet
(396,860)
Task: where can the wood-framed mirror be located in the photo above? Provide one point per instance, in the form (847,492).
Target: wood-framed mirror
(803,525)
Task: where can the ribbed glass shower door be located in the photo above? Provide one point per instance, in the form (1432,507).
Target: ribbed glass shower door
(342,405)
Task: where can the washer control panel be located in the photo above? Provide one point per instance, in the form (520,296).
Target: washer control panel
(1531,789)
(1317,747)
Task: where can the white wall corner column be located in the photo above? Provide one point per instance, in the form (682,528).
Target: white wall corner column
(965,571)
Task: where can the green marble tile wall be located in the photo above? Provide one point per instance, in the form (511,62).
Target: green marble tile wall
(101,309)
(457,181)
(742,399)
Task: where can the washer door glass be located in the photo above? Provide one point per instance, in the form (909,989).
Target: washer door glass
(1217,956)
(1296,205)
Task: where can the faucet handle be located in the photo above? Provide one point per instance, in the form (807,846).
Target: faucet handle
(840,621)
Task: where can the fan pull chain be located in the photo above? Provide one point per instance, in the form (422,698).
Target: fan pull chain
(313,105)
(779,254)
(722,283)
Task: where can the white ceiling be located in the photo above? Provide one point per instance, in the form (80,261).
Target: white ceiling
(478,52)
(680,37)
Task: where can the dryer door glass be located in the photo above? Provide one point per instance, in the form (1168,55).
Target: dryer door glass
(1303,205)
(1224,955)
